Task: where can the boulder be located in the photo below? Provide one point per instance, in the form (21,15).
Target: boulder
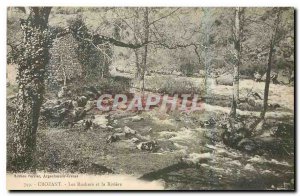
(273,106)
(128,131)
(87,124)
(134,140)
(272,75)
(235,162)
(112,138)
(75,104)
(249,167)
(257,77)
(136,118)
(196,158)
(90,105)
(62,93)
(78,113)
(91,92)
(226,79)
(234,133)
(101,120)
(247,145)
(81,100)
(147,146)
(284,77)
(57,113)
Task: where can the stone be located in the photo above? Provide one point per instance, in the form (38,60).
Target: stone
(236,162)
(266,172)
(87,124)
(90,105)
(75,104)
(147,146)
(101,120)
(195,158)
(247,144)
(257,77)
(134,140)
(112,138)
(257,159)
(121,136)
(136,118)
(226,79)
(118,129)
(81,100)
(128,131)
(68,104)
(249,167)
(62,92)
(78,113)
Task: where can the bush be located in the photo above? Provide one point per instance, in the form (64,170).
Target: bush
(188,69)
(250,69)
(104,85)
(171,85)
(114,85)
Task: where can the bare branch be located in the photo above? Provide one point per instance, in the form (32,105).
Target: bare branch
(151,23)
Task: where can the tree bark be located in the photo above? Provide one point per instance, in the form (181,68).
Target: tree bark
(239,14)
(269,67)
(146,39)
(30,77)
(137,50)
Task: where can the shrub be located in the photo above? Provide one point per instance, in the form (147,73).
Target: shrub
(171,85)
(104,85)
(114,85)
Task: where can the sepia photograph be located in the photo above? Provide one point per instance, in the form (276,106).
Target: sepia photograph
(150,98)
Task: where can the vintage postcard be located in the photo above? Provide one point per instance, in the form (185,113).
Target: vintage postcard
(150,98)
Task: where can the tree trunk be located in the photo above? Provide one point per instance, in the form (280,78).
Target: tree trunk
(146,38)
(258,125)
(267,83)
(207,62)
(30,78)
(269,68)
(137,50)
(239,12)
(106,55)
(137,64)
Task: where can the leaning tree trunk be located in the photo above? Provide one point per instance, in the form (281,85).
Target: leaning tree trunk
(238,50)
(268,80)
(270,61)
(33,57)
(257,126)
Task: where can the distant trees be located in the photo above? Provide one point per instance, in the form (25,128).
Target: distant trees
(95,58)
(141,23)
(141,33)
(207,53)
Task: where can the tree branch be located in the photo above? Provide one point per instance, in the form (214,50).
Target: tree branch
(151,23)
